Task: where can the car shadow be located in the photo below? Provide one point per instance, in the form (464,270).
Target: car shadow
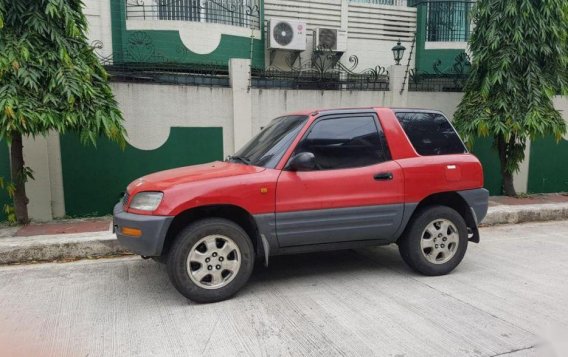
(296,268)
(306,265)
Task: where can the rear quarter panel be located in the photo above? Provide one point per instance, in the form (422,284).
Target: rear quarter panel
(427,175)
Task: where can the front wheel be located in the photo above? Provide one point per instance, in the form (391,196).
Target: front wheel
(435,241)
(211,260)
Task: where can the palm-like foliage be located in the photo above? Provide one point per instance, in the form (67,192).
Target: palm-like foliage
(520,62)
(50,79)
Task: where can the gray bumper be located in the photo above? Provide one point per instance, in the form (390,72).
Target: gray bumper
(478,200)
(154,229)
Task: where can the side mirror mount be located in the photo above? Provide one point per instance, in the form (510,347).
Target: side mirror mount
(303,161)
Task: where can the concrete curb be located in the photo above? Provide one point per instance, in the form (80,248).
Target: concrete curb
(17,250)
(59,247)
(525,213)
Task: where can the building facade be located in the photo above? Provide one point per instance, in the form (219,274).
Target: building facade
(210,32)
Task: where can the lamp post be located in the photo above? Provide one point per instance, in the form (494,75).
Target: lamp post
(398,52)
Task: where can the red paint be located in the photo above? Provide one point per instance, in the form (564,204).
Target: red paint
(414,178)
(298,191)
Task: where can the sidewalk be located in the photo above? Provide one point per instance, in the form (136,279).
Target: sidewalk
(93,238)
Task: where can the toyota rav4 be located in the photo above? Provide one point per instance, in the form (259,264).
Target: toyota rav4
(311,181)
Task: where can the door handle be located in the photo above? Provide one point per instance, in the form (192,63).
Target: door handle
(383,176)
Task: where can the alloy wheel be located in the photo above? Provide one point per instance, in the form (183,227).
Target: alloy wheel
(439,241)
(213,262)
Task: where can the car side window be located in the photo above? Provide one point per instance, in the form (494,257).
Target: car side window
(430,133)
(340,143)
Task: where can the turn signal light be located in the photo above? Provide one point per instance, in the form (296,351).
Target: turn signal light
(132,232)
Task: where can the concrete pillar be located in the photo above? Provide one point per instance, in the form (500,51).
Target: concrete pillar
(239,74)
(396,80)
(521,178)
(38,190)
(43,155)
(55,175)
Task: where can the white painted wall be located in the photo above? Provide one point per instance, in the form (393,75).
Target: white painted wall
(99,19)
(442,101)
(268,104)
(150,110)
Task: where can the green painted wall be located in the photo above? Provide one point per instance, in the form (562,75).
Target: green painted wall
(425,58)
(159,47)
(5,174)
(548,166)
(93,178)
(483,149)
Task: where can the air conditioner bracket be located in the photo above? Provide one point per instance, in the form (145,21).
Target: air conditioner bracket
(293,55)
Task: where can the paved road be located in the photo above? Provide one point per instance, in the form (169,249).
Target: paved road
(508,297)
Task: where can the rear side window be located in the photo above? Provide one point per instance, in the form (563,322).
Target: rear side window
(430,133)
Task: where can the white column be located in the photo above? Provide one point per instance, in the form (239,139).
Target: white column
(55,175)
(521,178)
(38,190)
(239,73)
(396,79)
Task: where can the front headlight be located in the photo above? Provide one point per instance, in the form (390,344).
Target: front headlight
(146,201)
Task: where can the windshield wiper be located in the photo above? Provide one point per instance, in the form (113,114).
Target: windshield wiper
(244,160)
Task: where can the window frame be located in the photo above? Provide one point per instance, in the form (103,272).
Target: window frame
(346,115)
(433,11)
(435,112)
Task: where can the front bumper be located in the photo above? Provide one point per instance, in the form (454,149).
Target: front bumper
(154,230)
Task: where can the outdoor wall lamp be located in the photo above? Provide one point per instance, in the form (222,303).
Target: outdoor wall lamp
(398,52)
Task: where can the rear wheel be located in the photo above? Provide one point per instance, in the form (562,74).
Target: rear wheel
(211,260)
(435,241)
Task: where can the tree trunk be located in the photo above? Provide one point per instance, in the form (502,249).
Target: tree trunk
(503,149)
(18,178)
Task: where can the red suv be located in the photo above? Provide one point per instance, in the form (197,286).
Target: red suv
(311,181)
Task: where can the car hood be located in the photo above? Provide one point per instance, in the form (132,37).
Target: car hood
(162,180)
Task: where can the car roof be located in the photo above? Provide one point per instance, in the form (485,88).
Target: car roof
(327,110)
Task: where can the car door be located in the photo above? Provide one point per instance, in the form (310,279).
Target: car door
(354,193)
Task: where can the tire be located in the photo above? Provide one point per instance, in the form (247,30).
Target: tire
(435,241)
(210,260)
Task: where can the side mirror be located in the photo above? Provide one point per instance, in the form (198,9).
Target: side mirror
(304,161)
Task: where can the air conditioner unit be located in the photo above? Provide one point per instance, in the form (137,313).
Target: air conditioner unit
(330,39)
(286,35)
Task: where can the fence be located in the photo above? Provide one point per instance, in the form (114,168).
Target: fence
(169,73)
(336,80)
(450,79)
(437,82)
(382,2)
(324,72)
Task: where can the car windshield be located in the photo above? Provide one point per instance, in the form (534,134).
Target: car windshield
(267,147)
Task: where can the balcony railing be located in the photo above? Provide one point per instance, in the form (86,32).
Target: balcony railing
(242,13)
(382,2)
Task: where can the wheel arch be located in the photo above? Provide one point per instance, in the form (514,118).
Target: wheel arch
(233,213)
(453,200)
